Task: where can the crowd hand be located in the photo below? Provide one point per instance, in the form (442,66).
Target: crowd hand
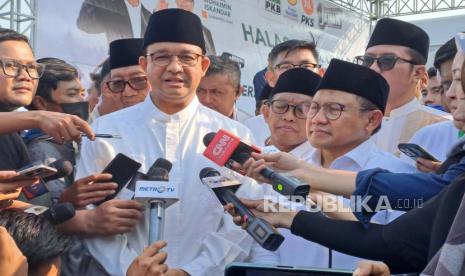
(264,209)
(427,166)
(370,268)
(150,262)
(115,217)
(280,161)
(89,190)
(63,127)
(332,205)
(11,188)
(12,260)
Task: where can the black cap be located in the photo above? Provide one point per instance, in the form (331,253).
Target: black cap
(266,91)
(125,52)
(297,80)
(356,79)
(390,31)
(174,25)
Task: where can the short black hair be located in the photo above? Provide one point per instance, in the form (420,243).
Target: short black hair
(225,66)
(56,70)
(103,74)
(432,72)
(445,52)
(35,236)
(289,46)
(8,34)
(366,104)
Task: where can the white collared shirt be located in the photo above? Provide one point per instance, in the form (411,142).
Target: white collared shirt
(259,128)
(366,156)
(201,238)
(403,122)
(240,115)
(438,139)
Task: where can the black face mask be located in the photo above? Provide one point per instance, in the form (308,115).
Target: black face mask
(80,109)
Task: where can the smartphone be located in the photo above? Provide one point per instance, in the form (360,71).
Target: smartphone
(35,170)
(122,168)
(414,151)
(250,269)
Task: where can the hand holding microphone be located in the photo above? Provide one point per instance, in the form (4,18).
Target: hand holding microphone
(224,149)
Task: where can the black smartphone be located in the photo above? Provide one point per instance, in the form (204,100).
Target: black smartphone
(122,169)
(414,151)
(250,269)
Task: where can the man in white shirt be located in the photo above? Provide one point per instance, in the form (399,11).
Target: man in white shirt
(284,56)
(221,87)
(344,113)
(285,114)
(398,51)
(124,83)
(439,138)
(171,123)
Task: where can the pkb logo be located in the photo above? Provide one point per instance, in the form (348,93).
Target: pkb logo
(273,6)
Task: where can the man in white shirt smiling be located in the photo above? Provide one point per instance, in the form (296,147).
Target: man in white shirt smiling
(171,123)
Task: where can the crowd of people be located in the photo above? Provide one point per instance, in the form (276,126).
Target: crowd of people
(337,129)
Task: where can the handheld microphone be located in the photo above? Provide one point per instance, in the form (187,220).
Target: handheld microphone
(154,188)
(59,213)
(63,167)
(260,230)
(223,148)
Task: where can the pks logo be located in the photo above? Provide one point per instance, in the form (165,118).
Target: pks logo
(292,2)
(273,6)
(307,5)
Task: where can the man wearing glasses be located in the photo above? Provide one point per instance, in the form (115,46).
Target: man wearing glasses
(171,123)
(127,82)
(344,114)
(284,56)
(398,51)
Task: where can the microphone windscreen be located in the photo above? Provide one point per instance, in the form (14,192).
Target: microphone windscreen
(208,172)
(163,163)
(63,167)
(207,139)
(60,213)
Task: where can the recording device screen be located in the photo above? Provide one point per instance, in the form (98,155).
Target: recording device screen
(247,269)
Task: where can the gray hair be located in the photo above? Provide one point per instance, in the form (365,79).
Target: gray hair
(223,65)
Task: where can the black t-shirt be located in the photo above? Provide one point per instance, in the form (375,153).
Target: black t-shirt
(13,152)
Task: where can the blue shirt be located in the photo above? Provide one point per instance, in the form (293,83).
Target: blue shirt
(403,191)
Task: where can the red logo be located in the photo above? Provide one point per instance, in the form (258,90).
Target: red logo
(308,6)
(222,147)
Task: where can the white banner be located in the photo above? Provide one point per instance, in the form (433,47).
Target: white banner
(79,31)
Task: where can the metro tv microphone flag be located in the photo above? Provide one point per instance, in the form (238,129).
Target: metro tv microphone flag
(260,230)
(223,148)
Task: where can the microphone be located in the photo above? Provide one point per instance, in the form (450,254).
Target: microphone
(154,189)
(63,167)
(59,213)
(224,148)
(260,230)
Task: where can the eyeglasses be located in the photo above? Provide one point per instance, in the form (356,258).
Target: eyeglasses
(287,66)
(332,111)
(281,107)
(12,68)
(385,62)
(186,59)
(136,83)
